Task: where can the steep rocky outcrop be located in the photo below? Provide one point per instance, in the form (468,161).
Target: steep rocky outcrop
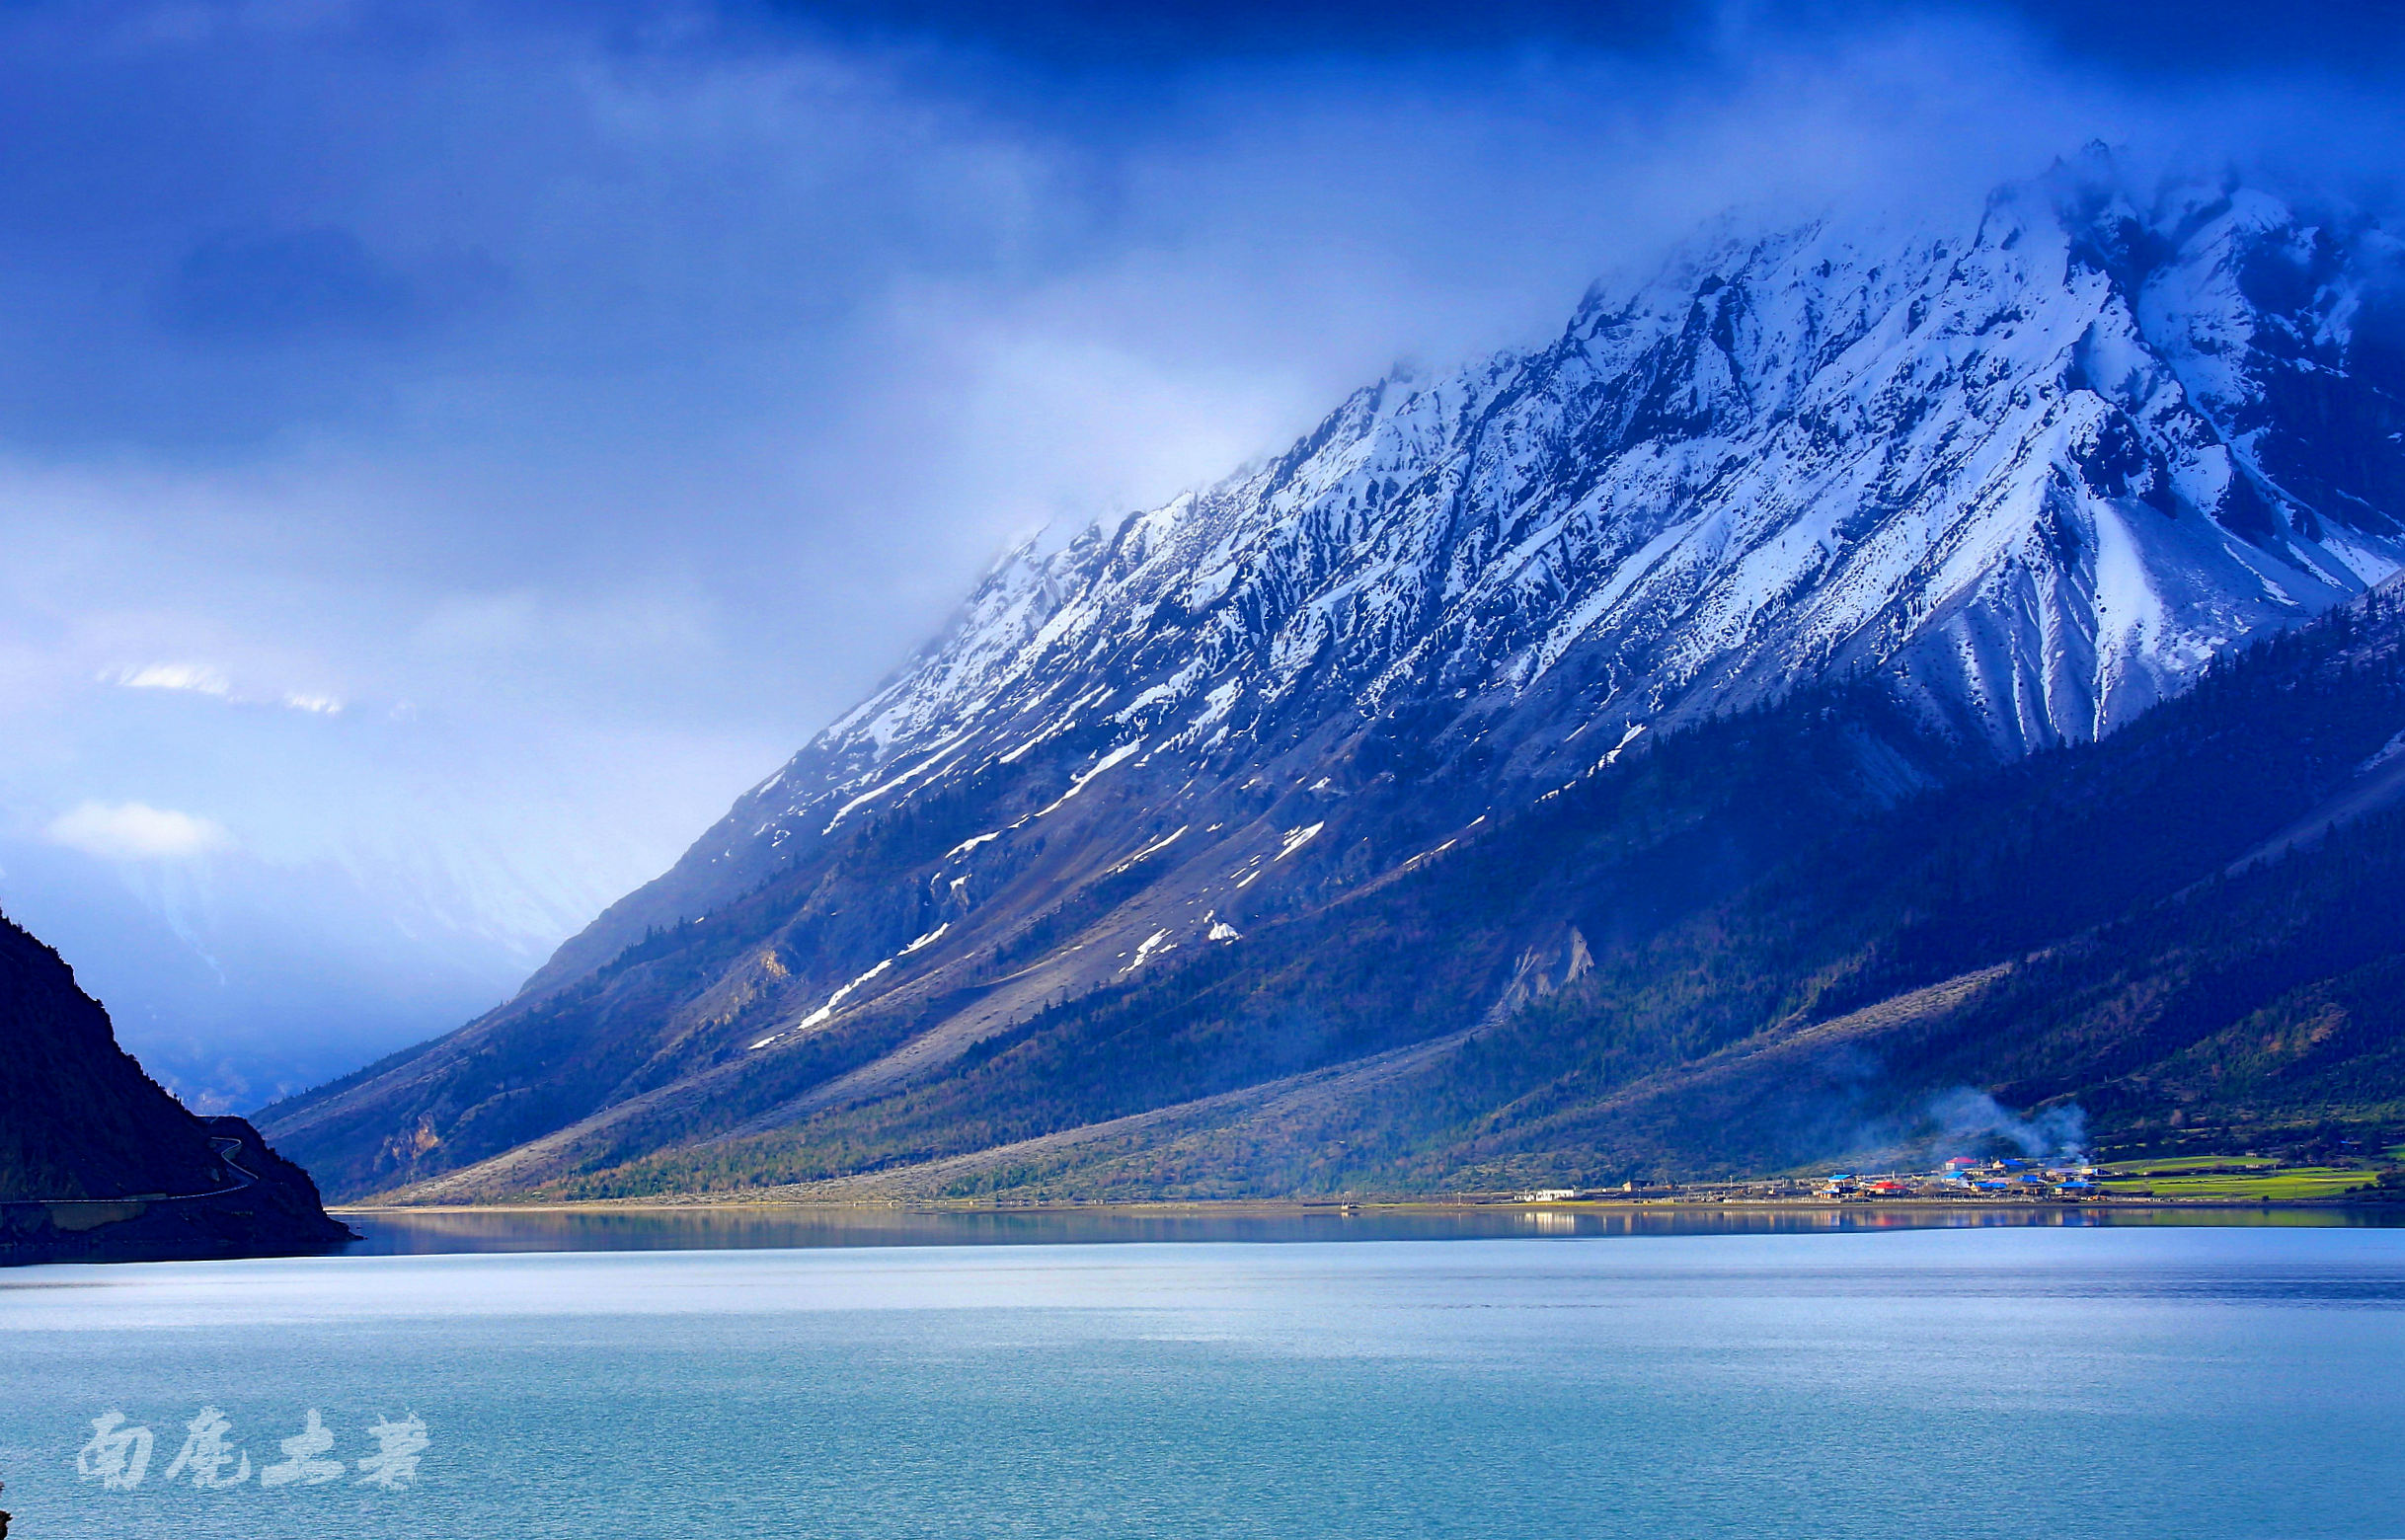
(98,1163)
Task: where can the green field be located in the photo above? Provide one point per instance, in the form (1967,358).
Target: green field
(2299,1182)
(2186,1163)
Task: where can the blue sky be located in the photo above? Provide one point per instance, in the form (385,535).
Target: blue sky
(448,451)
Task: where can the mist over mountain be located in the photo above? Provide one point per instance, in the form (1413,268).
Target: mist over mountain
(2005,486)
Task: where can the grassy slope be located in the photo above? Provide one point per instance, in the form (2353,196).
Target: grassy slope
(1405,962)
(1730,886)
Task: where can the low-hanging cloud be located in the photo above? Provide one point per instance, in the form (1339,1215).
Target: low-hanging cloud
(135,831)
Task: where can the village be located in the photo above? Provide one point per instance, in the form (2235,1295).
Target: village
(2005,1178)
(1963,1175)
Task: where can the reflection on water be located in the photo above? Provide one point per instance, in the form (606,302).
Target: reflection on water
(428,1231)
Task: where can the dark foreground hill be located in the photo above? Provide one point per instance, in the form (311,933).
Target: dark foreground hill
(98,1163)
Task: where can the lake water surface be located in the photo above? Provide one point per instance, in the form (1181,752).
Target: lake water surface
(1965,1381)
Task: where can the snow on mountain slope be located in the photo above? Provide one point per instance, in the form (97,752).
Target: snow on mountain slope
(2034,472)
(2038,470)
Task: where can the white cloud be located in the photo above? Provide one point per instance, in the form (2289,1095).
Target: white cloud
(204,679)
(135,831)
(198,677)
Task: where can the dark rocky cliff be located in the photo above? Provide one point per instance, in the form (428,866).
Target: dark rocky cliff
(99,1163)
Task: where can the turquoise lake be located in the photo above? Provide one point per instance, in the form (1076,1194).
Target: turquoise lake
(1961,1381)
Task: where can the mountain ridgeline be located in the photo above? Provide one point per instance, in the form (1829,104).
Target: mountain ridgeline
(1808,689)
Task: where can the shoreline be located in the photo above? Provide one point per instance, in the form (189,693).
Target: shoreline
(1340,1207)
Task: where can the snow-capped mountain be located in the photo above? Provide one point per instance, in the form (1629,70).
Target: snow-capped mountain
(2038,470)
(2033,472)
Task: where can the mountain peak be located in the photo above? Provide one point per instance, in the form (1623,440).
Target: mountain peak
(2028,476)
(2035,473)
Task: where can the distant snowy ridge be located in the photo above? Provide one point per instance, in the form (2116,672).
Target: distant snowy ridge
(2038,472)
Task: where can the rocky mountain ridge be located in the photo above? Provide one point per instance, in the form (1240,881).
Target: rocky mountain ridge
(2024,478)
(1729,961)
